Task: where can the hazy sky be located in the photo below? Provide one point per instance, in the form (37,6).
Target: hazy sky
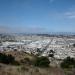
(35,16)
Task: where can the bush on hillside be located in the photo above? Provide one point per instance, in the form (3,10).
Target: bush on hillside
(42,62)
(68,63)
(7,59)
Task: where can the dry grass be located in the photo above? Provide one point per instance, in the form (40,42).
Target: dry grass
(19,55)
(29,69)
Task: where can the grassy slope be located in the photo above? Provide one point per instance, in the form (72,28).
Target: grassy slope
(28,69)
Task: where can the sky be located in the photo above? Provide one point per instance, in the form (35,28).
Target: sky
(37,16)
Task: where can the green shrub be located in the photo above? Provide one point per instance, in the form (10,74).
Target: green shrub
(74,45)
(7,59)
(68,63)
(42,62)
(51,53)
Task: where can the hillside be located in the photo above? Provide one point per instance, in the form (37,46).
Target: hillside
(26,66)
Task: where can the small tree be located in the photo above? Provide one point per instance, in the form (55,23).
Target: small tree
(42,62)
(7,59)
(74,45)
(68,63)
(39,51)
(51,53)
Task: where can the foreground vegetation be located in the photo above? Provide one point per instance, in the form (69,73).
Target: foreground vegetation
(68,63)
(20,63)
(8,59)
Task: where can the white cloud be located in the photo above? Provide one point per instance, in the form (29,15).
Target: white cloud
(70,14)
(62,15)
